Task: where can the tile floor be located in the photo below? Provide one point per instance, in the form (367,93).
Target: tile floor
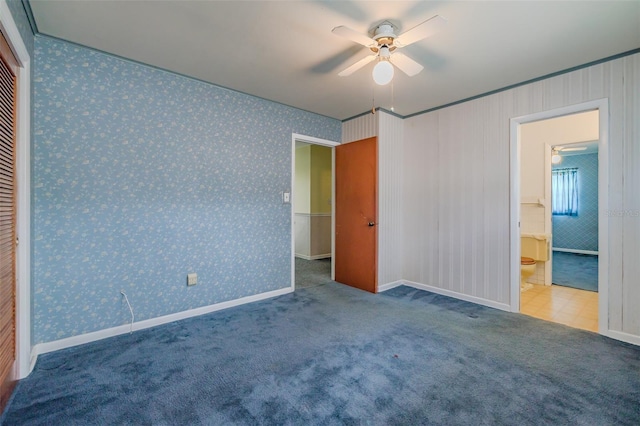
(564,305)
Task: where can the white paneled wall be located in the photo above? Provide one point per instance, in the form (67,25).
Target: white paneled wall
(448,194)
(629,314)
(390,178)
(365,126)
(456,187)
(456,215)
(421,217)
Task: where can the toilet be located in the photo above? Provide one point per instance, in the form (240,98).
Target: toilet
(533,248)
(527,268)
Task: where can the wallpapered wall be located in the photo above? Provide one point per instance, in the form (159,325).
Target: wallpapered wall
(22,22)
(580,232)
(141,176)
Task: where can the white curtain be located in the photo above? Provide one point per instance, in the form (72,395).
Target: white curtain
(564,187)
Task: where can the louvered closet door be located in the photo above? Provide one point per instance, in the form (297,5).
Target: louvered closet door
(8,85)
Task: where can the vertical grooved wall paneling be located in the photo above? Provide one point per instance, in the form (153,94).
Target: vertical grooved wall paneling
(362,127)
(456,186)
(390,178)
(631,198)
(420,194)
(611,86)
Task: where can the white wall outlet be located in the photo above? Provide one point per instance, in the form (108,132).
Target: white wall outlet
(192,279)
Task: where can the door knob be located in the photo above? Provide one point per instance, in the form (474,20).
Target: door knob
(372,223)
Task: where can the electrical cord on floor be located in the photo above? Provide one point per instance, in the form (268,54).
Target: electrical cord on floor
(130,309)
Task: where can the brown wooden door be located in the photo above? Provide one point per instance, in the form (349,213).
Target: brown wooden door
(356,239)
(8,86)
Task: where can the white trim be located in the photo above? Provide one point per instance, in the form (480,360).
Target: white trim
(56,345)
(333,213)
(315,141)
(625,337)
(603,219)
(514,225)
(23,202)
(389,286)
(314,257)
(548,216)
(456,295)
(565,250)
(602,105)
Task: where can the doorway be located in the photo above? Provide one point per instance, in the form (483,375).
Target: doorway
(312,211)
(574,223)
(560,201)
(558,303)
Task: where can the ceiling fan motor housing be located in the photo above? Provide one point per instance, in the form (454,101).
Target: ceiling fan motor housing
(384,34)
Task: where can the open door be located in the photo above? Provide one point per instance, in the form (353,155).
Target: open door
(356,209)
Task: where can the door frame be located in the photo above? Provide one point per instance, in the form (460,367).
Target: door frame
(23,193)
(602,105)
(295,137)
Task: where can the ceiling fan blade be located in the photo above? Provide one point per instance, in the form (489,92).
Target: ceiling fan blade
(353,35)
(421,31)
(406,64)
(355,67)
(582,148)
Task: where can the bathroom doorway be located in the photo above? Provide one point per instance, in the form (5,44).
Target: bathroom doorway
(574,224)
(312,208)
(577,298)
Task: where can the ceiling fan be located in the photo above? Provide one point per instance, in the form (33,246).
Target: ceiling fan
(556,158)
(565,149)
(384,44)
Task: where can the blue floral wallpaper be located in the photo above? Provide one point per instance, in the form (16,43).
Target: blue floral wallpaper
(580,232)
(22,22)
(141,176)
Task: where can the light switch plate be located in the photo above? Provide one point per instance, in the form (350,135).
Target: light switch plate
(286,197)
(192,279)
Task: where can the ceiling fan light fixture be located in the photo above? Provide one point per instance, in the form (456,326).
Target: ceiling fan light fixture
(383,72)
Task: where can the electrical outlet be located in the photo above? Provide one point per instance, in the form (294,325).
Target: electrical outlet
(192,279)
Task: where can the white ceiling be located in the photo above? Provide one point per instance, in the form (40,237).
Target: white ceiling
(284,50)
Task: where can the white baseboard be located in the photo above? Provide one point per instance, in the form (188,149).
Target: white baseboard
(68,342)
(316,257)
(456,295)
(389,286)
(565,250)
(625,337)
(32,361)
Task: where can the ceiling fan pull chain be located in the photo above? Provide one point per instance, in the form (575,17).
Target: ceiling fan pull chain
(393,97)
(373,99)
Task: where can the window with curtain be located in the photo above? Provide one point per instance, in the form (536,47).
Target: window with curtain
(564,187)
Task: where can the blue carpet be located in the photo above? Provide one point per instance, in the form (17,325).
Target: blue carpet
(575,270)
(310,273)
(334,355)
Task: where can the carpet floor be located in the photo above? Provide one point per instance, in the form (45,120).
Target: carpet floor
(310,273)
(334,355)
(575,270)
